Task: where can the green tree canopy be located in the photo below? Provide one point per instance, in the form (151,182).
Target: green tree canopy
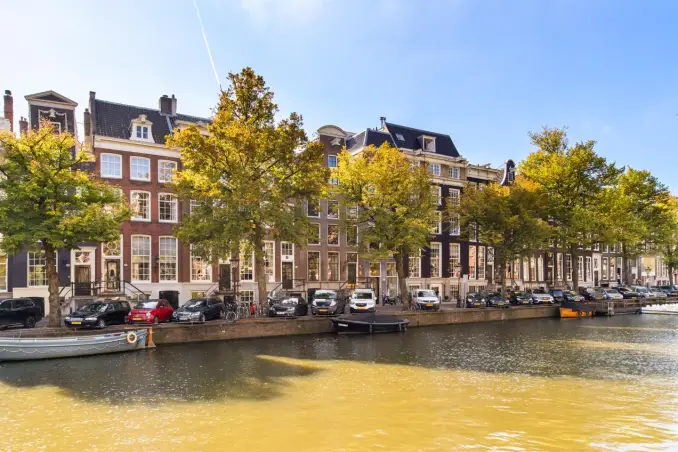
(247,176)
(394,200)
(48,202)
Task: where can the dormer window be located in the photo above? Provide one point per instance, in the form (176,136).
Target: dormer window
(141,129)
(142,132)
(429,144)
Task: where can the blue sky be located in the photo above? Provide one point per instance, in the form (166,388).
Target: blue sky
(484,71)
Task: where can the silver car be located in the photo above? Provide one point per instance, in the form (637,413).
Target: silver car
(613,295)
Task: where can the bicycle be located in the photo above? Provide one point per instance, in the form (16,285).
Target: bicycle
(415,307)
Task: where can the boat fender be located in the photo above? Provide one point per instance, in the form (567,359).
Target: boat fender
(131,338)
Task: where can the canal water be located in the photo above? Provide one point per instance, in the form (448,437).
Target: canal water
(590,384)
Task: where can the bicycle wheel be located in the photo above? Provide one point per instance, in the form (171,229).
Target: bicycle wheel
(231,317)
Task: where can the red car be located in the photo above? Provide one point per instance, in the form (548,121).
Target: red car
(151,311)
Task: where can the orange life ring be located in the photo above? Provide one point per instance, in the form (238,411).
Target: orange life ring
(131,338)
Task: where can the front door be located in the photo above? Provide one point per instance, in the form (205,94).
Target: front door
(352,268)
(287,275)
(225,277)
(83,280)
(112,269)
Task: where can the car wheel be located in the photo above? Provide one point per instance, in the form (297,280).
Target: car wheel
(101,323)
(201,319)
(126,321)
(222,314)
(156,320)
(29,322)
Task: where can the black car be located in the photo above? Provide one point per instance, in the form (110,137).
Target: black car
(288,307)
(475,300)
(628,293)
(19,311)
(496,300)
(327,302)
(558,295)
(670,291)
(200,310)
(99,314)
(570,296)
(520,298)
(592,293)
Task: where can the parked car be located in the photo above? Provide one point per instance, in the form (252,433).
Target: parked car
(99,314)
(628,293)
(363,300)
(520,298)
(426,300)
(288,307)
(670,291)
(658,293)
(475,300)
(593,293)
(200,310)
(19,311)
(571,296)
(642,291)
(613,294)
(497,300)
(558,295)
(327,302)
(540,296)
(151,311)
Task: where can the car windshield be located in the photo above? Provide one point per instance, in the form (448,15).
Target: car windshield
(325,295)
(539,291)
(557,293)
(520,294)
(569,292)
(290,301)
(363,295)
(642,289)
(191,304)
(93,307)
(426,293)
(595,290)
(145,305)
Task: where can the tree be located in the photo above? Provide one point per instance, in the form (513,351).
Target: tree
(573,179)
(506,218)
(395,204)
(48,202)
(248,176)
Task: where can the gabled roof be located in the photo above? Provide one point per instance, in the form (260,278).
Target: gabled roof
(410,139)
(51,96)
(369,137)
(114,120)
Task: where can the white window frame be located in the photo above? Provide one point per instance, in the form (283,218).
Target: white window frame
(148,207)
(412,259)
(338,235)
(438,193)
(150,257)
(247,296)
(481,266)
(357,240)
(434,169)
(140,130)
(455,258)
(308,214)
(588,269)
(308,266)
(244,256)
(162,171)
(205,268)
(432,140)
(168,259)
(174,204)
(540,268)
(338,275)
(455,172)
(132,163)
(28,268)
(269,267)
(437,229)
(333,202)
(101,166)
(437,246)
(336,161)
(320,235)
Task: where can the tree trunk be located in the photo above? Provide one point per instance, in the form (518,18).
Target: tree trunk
(260,270)
(502,277)
(402,279)
(574,262)
(626,266)
(670,274)
(54,318)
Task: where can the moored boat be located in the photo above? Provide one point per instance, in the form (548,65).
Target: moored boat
(664,309)
(32,348)
(368,323)
(573,310)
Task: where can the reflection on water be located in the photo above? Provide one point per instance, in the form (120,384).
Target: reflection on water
(600,384)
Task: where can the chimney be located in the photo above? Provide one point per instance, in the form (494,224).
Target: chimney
(173,105)
(23,126)
(165,105)
(383,121)
(9,109)
(87,119)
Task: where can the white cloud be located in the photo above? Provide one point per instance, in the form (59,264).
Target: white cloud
(287,10)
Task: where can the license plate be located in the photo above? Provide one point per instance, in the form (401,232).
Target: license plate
(323,310)
(76,323)
(362,309)
(136,318)
(476,304)
(430,305)
(633,298)
(501,303)
(526,302)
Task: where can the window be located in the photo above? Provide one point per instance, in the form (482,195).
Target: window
(526,269)
(246,267)
(201,269)
(111,166)
(435,260)
(481,262)
(612,275)
(247,296)
(142,132)
(141,258)
(533,269)
(111,249)
(313,209)
(332,161)
(352,212)
(333,266)
(313,265)
(140,203)
(429,144)
(168,258)
(333,209)
(140,168)
(168,207)
(490,255)
(400,137)
(473,232)
(269,260)
(352,235)
(314,234)
(3,273)
(37,269)
(192,206)
(516,269)
(414,265)
(455,260)
(580,267)
(596,247)
(166,170)
(472,254)
(454,172)
(540,268)
(587,275)
(455,196)
(333,234)
(568,267)
(436,226)
(559,267)
(436,191)
(375,269)
(434,169)
(287,249)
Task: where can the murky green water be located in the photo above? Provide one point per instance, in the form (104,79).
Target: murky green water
(589,384)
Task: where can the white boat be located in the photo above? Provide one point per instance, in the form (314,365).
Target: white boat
(665,309)
(31,348)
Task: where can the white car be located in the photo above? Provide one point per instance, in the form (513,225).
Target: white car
(363,300)
(540,296)
(426,300)
(643,292)
(658,293)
